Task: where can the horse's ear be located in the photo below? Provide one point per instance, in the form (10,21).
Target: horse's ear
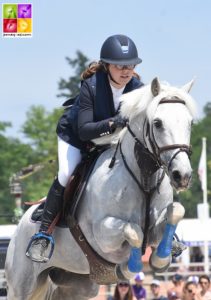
(155,87)
(187,87)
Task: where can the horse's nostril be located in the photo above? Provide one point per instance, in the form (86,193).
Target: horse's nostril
(176,176)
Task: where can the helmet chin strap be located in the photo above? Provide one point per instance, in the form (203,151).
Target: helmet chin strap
(108,72)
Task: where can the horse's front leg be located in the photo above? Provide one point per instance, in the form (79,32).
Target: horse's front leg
(111,233)
(161,257)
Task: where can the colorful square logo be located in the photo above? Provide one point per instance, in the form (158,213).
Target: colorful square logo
(17,20)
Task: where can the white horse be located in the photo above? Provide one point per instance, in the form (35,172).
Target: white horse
(124,207)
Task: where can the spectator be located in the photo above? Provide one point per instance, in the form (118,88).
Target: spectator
(123,291)
(156,291)
(196,257)
(190,291)
(138,290)
(177,290)
(193,278)
(204,282)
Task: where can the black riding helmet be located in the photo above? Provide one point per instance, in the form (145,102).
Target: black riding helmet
(119,50)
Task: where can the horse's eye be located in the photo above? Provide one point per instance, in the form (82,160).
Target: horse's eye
(158,123)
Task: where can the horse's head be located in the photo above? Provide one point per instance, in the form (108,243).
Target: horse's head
(170,116)
(167,114)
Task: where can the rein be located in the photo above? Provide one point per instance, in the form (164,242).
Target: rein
(147,192)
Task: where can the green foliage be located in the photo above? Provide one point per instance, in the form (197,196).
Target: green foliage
(4,125)
(192,197)
(207,109)
(40,129)
(13,155)
(80,63)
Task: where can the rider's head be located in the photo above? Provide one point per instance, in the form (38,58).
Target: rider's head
(119,56)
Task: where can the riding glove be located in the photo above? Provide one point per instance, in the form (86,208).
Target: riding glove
(117,122)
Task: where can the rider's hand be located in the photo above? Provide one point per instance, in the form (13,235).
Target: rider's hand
(117,122)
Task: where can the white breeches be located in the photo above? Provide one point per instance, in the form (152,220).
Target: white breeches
(69,157)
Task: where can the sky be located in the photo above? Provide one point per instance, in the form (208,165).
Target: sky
(173,39)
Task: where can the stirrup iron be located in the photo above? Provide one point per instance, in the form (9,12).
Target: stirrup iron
(40,248)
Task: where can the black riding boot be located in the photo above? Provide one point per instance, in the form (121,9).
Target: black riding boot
(41,245)
(53,205)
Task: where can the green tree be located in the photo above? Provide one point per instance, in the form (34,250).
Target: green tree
(40,130)
(13,155)
(192,197)
(207,109)
(72,85)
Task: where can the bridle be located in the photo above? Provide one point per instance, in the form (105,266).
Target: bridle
(156,150)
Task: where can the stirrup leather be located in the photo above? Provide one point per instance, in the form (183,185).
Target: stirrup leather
(40,248)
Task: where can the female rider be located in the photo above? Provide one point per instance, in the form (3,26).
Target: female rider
(94,114)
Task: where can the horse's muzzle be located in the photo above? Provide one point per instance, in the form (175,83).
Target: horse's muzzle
(180,181)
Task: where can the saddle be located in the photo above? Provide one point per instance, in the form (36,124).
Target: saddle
(73,191)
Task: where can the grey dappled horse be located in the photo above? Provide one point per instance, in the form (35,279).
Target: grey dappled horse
(124,207)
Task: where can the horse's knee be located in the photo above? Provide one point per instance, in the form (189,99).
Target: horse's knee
(133,234)
(175,212)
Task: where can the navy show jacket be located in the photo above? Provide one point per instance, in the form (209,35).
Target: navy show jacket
(89,117)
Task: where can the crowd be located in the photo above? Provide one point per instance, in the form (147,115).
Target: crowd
(191,288)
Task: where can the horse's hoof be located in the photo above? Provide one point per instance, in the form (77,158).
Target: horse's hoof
(158,270)
(123,273)
(158,264)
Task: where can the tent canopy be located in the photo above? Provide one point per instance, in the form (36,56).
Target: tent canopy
(193,232)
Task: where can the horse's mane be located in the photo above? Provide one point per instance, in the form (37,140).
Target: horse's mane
(135,102)
(141,102)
